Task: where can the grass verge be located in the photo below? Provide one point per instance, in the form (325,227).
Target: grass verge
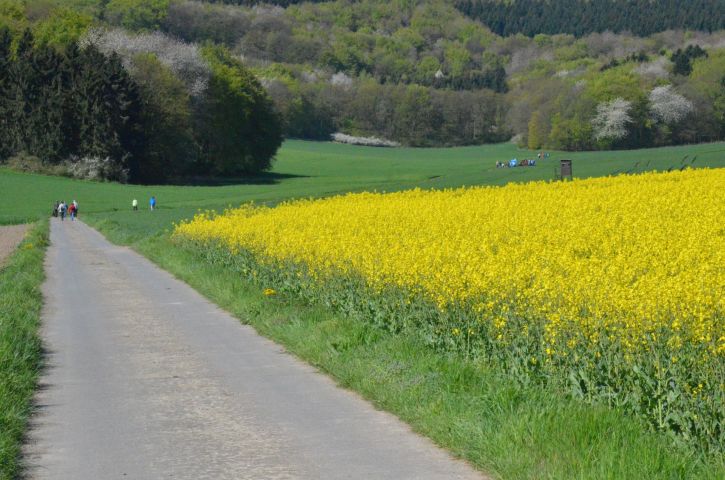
(508,431)
(20,348)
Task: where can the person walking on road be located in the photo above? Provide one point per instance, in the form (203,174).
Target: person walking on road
(62,210)
(72,212)
(152,203)
(134,205)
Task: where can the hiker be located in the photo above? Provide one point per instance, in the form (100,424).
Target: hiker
(152,202)
(134,205)
(55,209)
(72,211)
(75,209)
(61,210)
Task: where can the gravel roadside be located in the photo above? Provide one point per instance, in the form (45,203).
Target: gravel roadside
(10,238)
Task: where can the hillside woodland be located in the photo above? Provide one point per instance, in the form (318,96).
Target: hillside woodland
(582,17)
(565,74)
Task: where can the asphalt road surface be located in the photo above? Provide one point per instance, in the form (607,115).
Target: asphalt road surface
(146,379)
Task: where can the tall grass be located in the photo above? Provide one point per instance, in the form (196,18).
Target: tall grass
(20,346)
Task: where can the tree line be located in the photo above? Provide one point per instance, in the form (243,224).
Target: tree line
(616,110)
(581,17)
(409,114)
(80,105)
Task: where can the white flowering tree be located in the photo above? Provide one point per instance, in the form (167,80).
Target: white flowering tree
(612,120)
(339,79)
(658,68)
(184,59)
(668,106)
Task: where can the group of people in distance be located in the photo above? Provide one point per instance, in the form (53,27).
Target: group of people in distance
(514,162)
(61,209)
(152,204)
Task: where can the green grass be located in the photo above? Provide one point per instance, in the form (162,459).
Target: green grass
(305,169)
(20,350)
(507,430)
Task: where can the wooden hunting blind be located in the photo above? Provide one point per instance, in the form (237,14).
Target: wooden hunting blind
(565,170)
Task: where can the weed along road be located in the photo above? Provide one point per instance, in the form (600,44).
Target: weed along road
(146,379)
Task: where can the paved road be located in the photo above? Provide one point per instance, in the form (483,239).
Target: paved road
(147,379)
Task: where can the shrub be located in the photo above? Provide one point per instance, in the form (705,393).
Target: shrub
(96,168)
(366,141)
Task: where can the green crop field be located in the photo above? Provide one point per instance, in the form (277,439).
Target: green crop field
(305,169)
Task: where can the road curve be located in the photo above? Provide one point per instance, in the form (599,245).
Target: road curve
(146,379)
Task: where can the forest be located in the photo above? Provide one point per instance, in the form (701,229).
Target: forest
(581,17)
(85,107)
(413,72)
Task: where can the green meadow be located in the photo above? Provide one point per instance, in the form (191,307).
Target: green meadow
(313,169)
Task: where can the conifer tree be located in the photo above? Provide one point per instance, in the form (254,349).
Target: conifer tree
(5,61)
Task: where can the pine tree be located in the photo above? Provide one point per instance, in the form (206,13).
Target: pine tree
(22,92)
(46,113)
(5,62)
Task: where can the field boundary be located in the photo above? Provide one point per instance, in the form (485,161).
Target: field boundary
(10,238)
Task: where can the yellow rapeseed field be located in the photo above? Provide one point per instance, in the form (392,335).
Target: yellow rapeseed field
(633,254)
(612,288)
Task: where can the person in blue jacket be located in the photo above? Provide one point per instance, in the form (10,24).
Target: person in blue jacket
(152,202)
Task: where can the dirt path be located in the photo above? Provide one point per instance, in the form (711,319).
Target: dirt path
(147,379)
(10,237)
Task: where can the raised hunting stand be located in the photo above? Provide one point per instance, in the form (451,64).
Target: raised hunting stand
(564,171)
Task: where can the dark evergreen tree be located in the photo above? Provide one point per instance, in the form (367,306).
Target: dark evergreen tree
(22,93)
(46,111)
(81,103)
(682,59)
(5,109)
(581,17)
